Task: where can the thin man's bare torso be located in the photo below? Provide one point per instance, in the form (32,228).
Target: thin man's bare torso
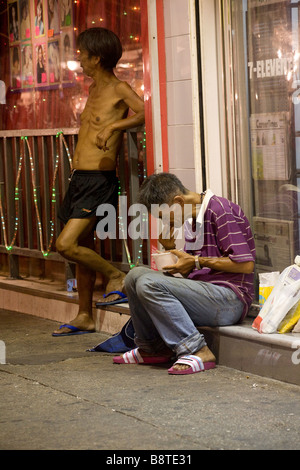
(103,108)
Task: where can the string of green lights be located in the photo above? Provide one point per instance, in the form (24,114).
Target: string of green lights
(9,246)
(24,144)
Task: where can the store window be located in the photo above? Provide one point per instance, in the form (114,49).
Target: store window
(42,90)
(264,57)
(41,83)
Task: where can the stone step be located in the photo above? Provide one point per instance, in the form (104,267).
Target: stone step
(51,301)
(276,356)
(240,347)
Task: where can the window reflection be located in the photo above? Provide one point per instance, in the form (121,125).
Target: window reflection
(271,52)
(27,66)
(25,21)
(42,59)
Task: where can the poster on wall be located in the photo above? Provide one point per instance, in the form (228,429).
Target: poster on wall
(41,38)
(15,67)
(39,18)
(270,56)
(27,66)
(273,243)
(25,26)
(66,13)
(271,72)
(269,147)
(67,55)
(53,18)
(41,64)
(13,22)
(53,62)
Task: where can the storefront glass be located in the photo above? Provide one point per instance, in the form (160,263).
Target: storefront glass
(41,83)
(265,76)
(42,90)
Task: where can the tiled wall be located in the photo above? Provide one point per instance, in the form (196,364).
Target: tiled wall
(179,91)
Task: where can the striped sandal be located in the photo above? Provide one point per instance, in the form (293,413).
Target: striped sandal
(196,365)
(134,357)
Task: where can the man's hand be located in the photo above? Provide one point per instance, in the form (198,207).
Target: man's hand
(184,265)
(167,238)
(102,137)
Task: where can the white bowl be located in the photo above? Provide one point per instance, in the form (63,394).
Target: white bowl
(164,259)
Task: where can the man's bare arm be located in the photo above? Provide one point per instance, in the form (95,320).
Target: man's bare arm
(135,103)
(186,264)
(227,265)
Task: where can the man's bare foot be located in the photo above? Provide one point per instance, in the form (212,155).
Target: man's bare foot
(83,322)
(139,356)
(166,352)
(115,283)
(205,354)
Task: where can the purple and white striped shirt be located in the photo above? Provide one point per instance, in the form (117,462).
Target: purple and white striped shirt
(227,233)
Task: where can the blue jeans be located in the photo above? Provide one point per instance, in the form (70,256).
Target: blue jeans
(166,310)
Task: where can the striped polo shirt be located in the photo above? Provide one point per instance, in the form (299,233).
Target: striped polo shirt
(227,233)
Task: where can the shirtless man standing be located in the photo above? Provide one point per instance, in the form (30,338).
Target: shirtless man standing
(93,179)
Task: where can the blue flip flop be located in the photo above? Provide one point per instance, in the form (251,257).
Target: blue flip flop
(113,302)
(75,331)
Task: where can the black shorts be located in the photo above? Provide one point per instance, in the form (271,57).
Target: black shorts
(87,190)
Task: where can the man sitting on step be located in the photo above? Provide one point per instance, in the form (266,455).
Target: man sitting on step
(216,283)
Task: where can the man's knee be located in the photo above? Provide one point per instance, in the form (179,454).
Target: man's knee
(132,276)
(135,274)
(65,249)
(149,284)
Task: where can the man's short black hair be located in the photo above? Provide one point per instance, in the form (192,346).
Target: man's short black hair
(160,188)
(103,43)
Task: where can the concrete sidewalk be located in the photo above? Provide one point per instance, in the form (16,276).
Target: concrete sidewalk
(56,395)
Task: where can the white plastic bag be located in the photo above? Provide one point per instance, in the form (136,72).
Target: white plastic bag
(284,296)
(290,320)
(296,328)
(267,282)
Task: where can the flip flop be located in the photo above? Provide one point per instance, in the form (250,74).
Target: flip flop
(113,302)
(196,365)
(134,357)
(75,331)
